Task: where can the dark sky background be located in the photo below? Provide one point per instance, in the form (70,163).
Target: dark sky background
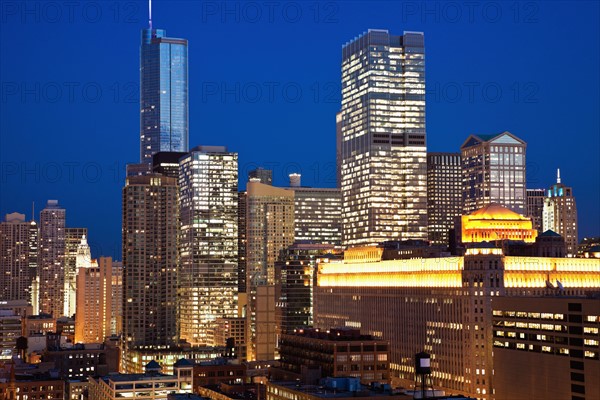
(265,81)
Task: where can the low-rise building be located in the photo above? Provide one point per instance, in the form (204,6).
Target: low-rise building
(338,352)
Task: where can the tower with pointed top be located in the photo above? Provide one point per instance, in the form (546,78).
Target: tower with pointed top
(560,214)
(163,93)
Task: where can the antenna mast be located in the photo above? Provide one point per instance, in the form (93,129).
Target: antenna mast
(150,13)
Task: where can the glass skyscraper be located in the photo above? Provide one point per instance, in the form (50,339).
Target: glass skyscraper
(381,139)
(163,94)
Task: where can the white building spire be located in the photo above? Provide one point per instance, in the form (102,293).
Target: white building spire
(150,13)
(558,175)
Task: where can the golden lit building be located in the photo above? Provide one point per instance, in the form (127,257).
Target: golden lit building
(449,307)
(269,229)
(94,302)
(495,222)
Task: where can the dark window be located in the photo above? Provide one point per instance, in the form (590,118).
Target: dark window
(574,306)
(575,318)
(577,388)
(576,376)
(577,365)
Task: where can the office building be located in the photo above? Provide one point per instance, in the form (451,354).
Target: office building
(167,163)
(208,242)
(494,172)
(339,388)
(560,214)
(150,225)
(218,371)
(261,175)
(136,360)
(446,307)
(337,352)
(535,207)
(295,274)
(242,200)
(82,360)
(227,329)
(444,195)
(77,254)
(10,331)
(95,314)
(383,141)
(52,259)
(151,385)
(317,213)
(47,386)
(269,229)
(18,258)
(164,122)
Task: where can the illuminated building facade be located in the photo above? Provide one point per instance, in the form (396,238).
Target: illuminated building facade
(77,251)
(495,222)
(542,339)
(444,306)
(381,128)
(208,280)
(95,314)
(560,214)
(151,385)
(269,229)
(535,207)
(18,258)
(242,199)
(317,214)
(150,225)
(164,122)
(136,360)
(295,274)
(52,259)
(494,172)
(444,194)
(337,352)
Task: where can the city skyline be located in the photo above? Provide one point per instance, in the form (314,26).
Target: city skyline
(94,182)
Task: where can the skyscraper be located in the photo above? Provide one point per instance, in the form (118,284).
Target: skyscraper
(263,175)
(535,207)
(208,280)
(150,225)
(317,213)
(560,214)
(52,259)
(242,200)
(494,172)
(94,301)
(383,147)
(74,253)
(270,229)
(18,258)
(163,93)
(444,194)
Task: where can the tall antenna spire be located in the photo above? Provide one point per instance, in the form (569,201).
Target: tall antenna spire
(558,175)
(33,210)
(150,13)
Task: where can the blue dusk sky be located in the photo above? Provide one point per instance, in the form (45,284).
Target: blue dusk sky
(265,82)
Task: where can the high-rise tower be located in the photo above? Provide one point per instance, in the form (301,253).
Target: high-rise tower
(52,259)
(560,214)
(208,241)
(150,222)
(381,131)
(163,93)
(18,258)
(494,172)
